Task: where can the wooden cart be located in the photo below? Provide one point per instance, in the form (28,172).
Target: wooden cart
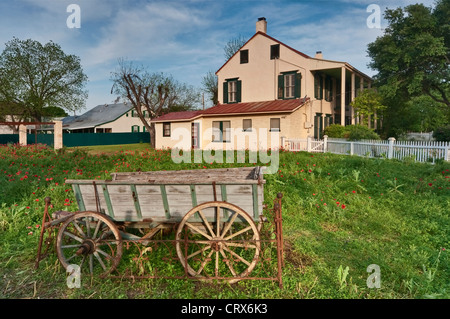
(216,214)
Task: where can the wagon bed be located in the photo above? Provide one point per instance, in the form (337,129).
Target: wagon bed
(166,196)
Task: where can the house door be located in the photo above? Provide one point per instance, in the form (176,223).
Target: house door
(318,126)
(194,134)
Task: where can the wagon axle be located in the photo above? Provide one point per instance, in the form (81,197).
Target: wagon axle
(86,248)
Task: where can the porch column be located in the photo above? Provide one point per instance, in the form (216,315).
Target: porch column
(361,88)
(343,96)
(352,111)
(22,135)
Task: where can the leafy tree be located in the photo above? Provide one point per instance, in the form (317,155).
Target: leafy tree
(35,76)
(368,104)
(155,93)
(413,56)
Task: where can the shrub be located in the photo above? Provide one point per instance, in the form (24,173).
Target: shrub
(360,132)
(335,131)
(351,132)
(442,134)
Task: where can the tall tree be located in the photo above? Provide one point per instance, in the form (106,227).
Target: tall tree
(35,76)
(155,93)
(232,46)
(368,104)
(209,83)
(413,56)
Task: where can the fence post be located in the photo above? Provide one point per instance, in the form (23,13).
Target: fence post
(325,143)
(58,135)
(22,135)
(446,154)
(283,141)
(391,147)
(308,144)
(351,148)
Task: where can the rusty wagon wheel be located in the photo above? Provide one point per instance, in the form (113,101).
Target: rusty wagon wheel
(91,241)
(218,239)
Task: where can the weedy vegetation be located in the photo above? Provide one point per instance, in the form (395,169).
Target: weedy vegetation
(340,214)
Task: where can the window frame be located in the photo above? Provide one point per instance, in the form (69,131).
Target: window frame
(291,87)
(165,129)
(247,128)
(244,56)
(232,94)
(275,51)
(221,134)
(273,128)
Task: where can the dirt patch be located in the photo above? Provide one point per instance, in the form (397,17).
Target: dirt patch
(296,258)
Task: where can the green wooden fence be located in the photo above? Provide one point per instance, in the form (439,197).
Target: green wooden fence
(81,139)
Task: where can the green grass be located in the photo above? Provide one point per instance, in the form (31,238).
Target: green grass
(340,215)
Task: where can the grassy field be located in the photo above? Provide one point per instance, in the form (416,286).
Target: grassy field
(341,214)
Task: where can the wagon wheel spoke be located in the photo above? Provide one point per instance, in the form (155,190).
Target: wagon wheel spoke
(238,233)
(72,235)
(218,211)
(78,228)
(92,241)
(229,224)
(237,256)
(205,221)
(198,252)
(198,230)
(227,261)
(204,262)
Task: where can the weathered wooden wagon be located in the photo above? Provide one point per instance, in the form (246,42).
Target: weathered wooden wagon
(216,214)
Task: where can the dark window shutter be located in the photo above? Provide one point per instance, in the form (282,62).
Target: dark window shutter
(238,91)
(298,85)
(281,86)
(225,92)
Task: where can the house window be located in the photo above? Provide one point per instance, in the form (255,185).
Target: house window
(221,131)
(134,113)
(135,129)
(232,91)
(318,87)
(274,51)
(275,125)
(247,125)
(289,85)
(244,56)
(328,89)
(166,129)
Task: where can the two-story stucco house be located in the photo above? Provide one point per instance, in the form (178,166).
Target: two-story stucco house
(267,85)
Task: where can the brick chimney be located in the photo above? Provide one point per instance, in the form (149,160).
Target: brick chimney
(318,55)
(261,25)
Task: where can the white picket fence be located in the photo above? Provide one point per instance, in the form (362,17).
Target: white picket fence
(420,151)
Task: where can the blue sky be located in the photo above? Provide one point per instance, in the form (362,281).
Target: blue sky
(185,38)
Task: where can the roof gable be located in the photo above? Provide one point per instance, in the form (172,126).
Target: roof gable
(269,37)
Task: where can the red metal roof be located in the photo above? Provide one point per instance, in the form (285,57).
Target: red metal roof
(235,109)
(177,116)
(255,107)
